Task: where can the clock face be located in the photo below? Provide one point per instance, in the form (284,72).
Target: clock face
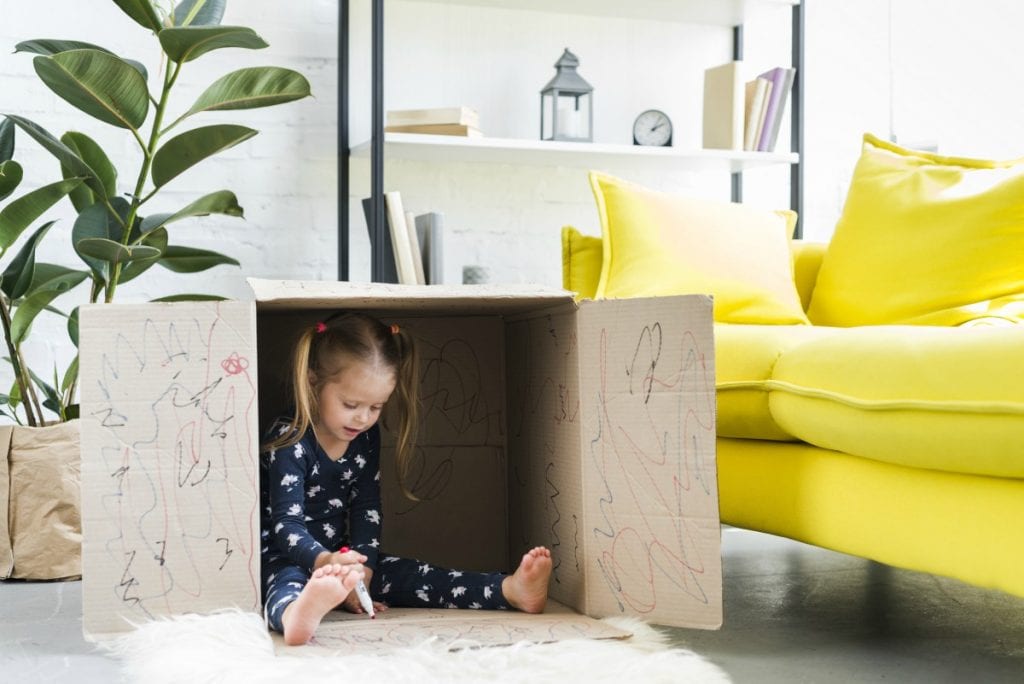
(652,128)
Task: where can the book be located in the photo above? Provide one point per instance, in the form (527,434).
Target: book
(463,116)
(389,273)
(438,129)
(723,106)
(414,247)
(428,230)
(756,94)
(400,238)
(782,84)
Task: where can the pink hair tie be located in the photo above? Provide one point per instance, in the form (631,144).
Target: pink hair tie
(321,326)
(394,328)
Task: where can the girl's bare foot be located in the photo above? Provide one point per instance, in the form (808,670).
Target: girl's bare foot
(527,588)
(328,587)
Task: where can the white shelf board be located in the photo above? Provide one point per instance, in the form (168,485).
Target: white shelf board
(450,148)
(713,12)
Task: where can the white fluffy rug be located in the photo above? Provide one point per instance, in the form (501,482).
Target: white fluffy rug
(233,646)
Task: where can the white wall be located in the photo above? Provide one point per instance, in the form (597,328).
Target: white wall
(922,70)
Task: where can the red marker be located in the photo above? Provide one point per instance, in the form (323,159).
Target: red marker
(364,596)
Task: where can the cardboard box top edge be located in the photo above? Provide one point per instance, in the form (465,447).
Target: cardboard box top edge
(469,299)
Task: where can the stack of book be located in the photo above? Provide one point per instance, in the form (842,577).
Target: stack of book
(414,252)
(462,121)
(741,114)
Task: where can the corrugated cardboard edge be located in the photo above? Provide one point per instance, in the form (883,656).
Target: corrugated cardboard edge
(307,294)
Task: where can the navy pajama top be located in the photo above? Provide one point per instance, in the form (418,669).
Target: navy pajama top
(311,504)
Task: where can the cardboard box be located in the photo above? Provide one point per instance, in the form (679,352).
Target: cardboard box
(587,428)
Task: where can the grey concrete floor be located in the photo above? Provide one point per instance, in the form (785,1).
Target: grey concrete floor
(793,613)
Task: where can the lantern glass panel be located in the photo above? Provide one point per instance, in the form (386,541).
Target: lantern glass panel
(566,116)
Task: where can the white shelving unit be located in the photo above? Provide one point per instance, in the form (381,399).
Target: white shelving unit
(571,154)
(512,151)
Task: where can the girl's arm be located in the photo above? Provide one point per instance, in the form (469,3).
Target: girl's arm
(364,518)
(286,490)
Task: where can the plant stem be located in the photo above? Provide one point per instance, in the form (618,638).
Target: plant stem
(170,76)
(33,413)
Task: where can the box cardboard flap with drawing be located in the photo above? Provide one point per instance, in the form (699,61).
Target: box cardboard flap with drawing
(585,428)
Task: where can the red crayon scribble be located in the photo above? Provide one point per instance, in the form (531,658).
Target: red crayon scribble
(235,364)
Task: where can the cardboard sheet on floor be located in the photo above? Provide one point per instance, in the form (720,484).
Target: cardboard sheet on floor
(342,633)
(586,428)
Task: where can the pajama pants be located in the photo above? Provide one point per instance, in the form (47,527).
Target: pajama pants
(397,582)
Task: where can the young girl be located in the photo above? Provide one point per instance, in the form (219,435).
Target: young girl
(320,490)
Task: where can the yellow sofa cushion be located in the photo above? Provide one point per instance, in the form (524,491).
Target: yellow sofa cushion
(661,244)
(942,398)
(924,239)
(581,262)
(745,358)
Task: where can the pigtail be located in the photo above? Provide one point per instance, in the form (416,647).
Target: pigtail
(407,389)
(302,395)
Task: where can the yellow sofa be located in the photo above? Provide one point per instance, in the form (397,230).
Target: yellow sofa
(912,456)
(870,392)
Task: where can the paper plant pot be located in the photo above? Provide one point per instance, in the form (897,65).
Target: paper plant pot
(40,502)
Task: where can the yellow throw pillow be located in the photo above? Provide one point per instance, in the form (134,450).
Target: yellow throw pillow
(581,262)
(659,244)
(924,239)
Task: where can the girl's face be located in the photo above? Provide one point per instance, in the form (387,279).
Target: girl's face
(350,404)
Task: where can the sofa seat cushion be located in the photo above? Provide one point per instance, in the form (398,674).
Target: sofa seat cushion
(949,399)
(745,357)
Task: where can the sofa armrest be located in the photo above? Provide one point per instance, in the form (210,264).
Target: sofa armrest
(807,258)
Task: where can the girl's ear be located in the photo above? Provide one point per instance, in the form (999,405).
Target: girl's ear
(311,377)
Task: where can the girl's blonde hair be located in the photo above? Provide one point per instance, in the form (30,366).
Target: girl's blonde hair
(329,347)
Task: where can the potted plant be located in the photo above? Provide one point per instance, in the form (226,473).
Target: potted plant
(118,231)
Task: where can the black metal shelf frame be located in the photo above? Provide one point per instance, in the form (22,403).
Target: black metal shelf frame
(381,239)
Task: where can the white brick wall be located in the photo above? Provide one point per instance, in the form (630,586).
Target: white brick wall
(508,218)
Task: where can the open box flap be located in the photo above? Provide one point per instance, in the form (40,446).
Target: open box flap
(322,294)
(170,492)
(650,496)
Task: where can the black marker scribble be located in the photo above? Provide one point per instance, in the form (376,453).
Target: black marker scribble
(646,355)
(555,518)
(227,551)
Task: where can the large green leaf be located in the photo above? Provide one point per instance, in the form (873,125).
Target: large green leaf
(52,401)
(157,239)
(73,326)
(93,155)
(70,375)
(143,12)
(37,301)
(188,43)
(199,12)
(10,177)
(252,87)
(191,147)
(19,214)
(191,260)
(100,84)
(220,202)
(49,46)
(113,251)
(16,280)
(190,298)
(65,155)
(49,276)
(97,222)
(6,140)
